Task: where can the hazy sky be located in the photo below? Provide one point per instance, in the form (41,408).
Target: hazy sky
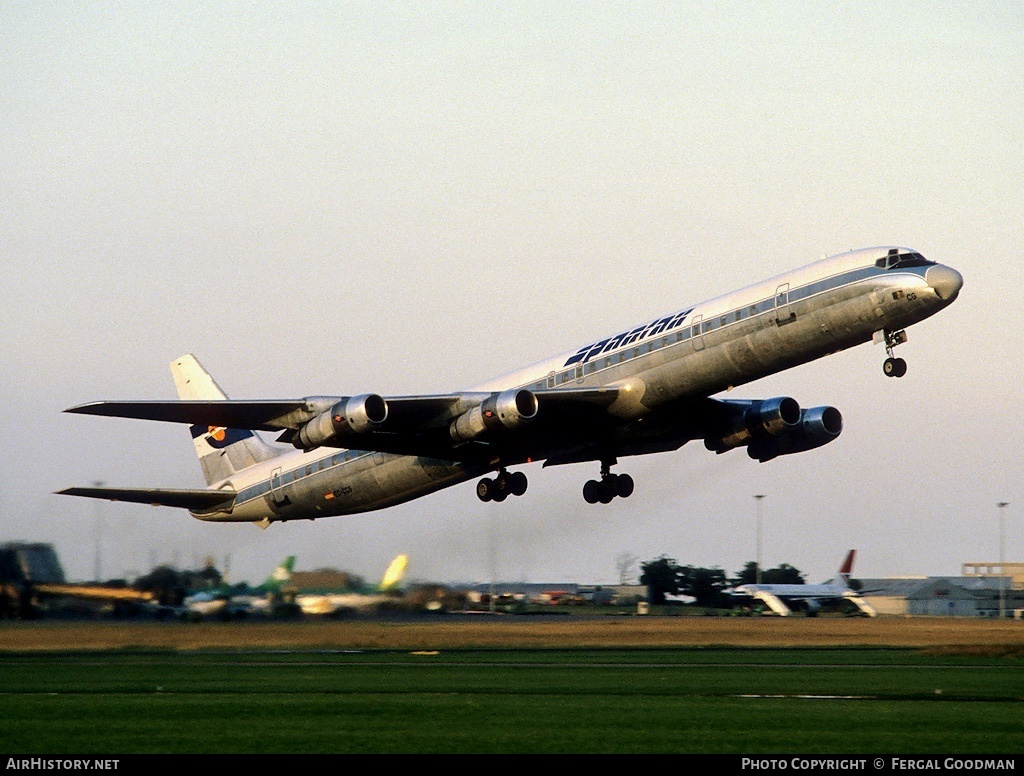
(414,197)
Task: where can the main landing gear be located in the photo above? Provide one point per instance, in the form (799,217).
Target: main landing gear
(501,487)
(609,486)
(894,367)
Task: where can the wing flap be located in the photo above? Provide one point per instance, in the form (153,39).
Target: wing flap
(197,500)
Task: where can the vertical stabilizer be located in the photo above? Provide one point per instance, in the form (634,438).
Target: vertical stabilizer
(846,569)
(394,573)
(281,576)
(221,451)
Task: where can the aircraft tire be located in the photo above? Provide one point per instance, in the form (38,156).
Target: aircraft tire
(894,367)
(518,483)
(624,486)
(485,489)
(592,492)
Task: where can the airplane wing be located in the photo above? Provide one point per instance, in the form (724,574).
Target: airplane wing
(406,425)
(569,425)
(197,500)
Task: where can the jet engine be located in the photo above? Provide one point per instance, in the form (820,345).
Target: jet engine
(348,418)
(818,426)
(768,418)
(499,411)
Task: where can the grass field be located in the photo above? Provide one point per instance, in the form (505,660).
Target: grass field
(502,685)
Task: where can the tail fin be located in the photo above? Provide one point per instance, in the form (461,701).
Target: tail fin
(847,568)
(395,572)
(221,451)
(282,575)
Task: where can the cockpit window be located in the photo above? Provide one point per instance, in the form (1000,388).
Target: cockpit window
(894,259)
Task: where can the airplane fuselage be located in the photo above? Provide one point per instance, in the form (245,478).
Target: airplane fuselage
(663,364)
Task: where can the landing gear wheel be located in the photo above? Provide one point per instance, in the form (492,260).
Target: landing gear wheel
(501,487)
(608,487)
(894,367)
(517,483)
(485,489)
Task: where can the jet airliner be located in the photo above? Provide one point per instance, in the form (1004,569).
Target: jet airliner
(780,597)
(648,389)
(335,602)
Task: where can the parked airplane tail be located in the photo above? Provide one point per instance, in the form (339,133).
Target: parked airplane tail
(394,574)
(282,575)
(846,569)
(221,451)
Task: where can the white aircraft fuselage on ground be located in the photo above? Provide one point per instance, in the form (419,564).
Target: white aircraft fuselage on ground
(642,390)
(780,597)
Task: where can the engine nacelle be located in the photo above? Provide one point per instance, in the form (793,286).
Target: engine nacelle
(768,418)
(348,418)
(818,426)
(499,411)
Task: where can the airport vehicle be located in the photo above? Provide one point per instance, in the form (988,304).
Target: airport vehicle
(644,390)
(333,602)
(782,598)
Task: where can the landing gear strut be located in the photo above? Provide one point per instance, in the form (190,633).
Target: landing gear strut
(501,487)
(894,367)
(609,486)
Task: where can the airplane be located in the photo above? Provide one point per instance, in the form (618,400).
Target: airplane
(779,597)
(647,389)
(229,602)
(332,603)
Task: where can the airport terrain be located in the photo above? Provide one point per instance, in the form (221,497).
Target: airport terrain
(494,631)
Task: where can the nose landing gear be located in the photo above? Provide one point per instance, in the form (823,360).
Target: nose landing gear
(609,486)
(894,367)
(501,487)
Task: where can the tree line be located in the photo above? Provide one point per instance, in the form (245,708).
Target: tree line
(708,586)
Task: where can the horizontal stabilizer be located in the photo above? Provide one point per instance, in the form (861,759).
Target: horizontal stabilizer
(196,500)
(269,415)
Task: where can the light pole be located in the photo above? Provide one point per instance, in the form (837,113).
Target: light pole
(1001,506)
(758,497)
(99,536)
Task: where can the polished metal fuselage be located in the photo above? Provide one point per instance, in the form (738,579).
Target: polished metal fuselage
(823,308)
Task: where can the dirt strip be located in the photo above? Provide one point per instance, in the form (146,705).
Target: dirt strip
(955,634)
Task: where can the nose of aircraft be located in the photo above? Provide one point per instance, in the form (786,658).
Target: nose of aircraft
(946,281)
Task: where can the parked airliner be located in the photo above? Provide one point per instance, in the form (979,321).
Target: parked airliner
(647,389)
(779,598)
(334,602)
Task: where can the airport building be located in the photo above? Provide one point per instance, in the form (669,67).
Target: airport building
(969,595)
